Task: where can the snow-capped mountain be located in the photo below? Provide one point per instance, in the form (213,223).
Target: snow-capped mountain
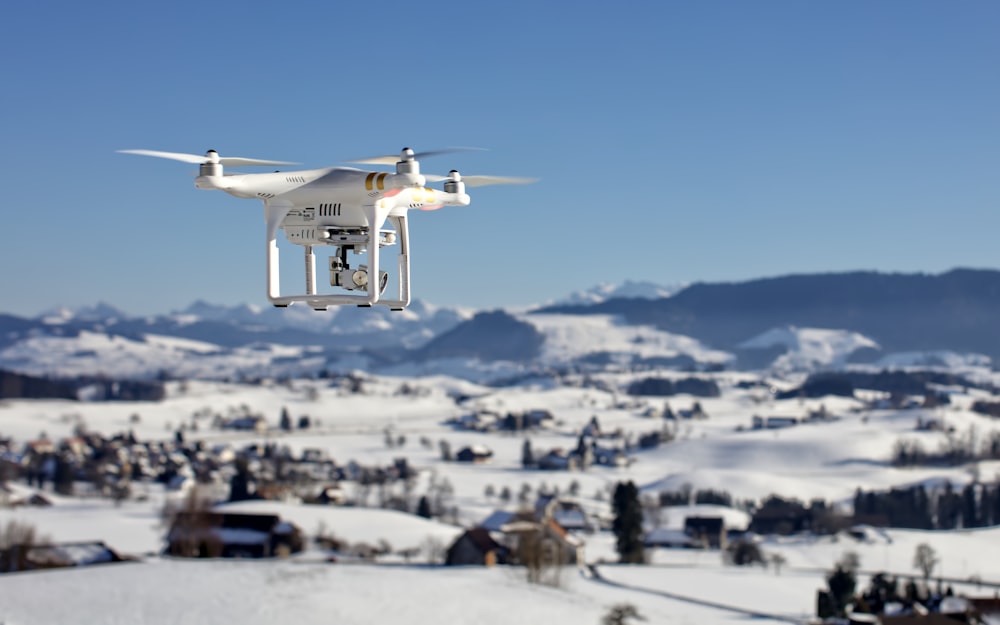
(99,312)
(210,341)
(838,319)
(628,289)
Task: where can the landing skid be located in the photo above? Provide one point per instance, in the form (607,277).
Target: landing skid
(274,214)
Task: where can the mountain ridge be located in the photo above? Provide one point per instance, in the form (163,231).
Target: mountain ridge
(833,317)
(955,310)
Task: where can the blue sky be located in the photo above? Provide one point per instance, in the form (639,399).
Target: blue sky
(674,141)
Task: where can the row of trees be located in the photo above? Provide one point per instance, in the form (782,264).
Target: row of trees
(975,505)
(955,450)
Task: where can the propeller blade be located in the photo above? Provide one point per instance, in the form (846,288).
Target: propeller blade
(392,159)
(211,157)
(194,159)
(482,181)
(236,161)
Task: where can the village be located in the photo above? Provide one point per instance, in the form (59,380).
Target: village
(218,471)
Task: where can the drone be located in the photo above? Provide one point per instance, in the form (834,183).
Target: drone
(342,207)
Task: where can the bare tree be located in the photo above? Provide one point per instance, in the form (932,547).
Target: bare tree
(434,549)
(16,540)
(189,527)
(777,561)
(925,559)
(541,555)
(850,561)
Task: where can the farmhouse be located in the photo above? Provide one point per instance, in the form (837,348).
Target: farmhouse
(206,534)
(475,547)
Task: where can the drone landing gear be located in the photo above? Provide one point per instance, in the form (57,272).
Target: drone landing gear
(369,279)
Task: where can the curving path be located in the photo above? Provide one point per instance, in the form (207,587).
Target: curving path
(596,576)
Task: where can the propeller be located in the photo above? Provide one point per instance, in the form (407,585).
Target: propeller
(408,154)
(479,181)
(210,157)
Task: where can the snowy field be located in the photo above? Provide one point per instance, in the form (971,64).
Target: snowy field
(828,459)
(248,592)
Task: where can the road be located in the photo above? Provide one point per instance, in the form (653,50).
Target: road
(595,576)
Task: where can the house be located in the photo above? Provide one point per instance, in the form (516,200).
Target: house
(481,421)
(541,526)
(246,423)
(773,423)
(555,460)
(59,555)
(497,520)
(475,453)
(709,532)
(209,534)
(988,608)
(609,456)
(669,539)
(529,420)
(930,618)
(537,418)
(560,545)
(475,547)
(566,512)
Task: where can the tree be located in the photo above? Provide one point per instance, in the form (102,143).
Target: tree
(621,613)
(627,524)
(778,561)
(16,539)
(527,455)
(925,559)
(424,507)
(62,480)
(842,581)
(541,555)
(745,553)
(239,484)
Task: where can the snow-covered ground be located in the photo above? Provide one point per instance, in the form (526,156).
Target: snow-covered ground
(810,348)
(569,337)
(252,592)
(112,356)
(826,459)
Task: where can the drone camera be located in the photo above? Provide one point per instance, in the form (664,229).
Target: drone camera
(354,279)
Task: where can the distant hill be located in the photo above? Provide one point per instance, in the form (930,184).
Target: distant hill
(958,310)
(488,336)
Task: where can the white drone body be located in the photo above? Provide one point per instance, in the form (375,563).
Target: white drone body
(341,207)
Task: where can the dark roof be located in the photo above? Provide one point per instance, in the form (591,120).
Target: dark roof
(706,523)
(234,520)
(481,538)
